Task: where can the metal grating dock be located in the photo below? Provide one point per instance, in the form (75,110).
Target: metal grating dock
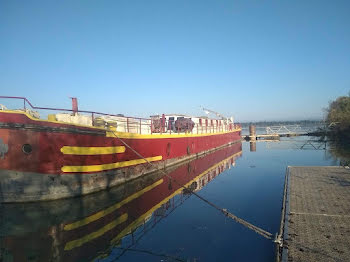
(315,223)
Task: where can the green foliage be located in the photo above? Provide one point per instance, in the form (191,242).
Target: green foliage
(338,116)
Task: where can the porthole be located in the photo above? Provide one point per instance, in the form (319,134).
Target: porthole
(27,149)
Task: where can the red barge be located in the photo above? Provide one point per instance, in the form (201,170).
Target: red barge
(79,152)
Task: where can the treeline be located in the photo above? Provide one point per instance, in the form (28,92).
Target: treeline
(338,118)
(278,123)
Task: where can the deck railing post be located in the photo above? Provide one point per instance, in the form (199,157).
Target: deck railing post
(140,126)
(164,122)
(151,126)
(127,124)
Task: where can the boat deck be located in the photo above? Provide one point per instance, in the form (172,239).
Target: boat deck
(316,219)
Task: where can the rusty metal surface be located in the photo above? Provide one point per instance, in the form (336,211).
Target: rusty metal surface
(318,219)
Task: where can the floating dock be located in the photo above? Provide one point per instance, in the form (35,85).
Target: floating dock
(315,223)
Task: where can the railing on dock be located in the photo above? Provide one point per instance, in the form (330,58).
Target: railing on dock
(121,123)
(283,129)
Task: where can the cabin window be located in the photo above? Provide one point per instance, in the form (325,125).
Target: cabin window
(171,123)
(200,121)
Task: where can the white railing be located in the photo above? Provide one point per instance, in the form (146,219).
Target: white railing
(121,123)
(280,130)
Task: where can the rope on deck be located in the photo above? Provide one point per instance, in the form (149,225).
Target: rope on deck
(241,221)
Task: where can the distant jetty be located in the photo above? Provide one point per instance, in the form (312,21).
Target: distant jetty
(275,132)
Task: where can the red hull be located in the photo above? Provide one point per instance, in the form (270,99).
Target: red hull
(46,156)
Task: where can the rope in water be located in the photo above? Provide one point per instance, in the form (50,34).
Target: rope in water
(152,253)
(241,221)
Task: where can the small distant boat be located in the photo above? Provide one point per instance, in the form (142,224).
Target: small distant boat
(79,152)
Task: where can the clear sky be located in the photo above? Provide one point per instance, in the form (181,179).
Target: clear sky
(256,60)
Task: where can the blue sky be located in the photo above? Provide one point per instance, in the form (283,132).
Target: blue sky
(256,60)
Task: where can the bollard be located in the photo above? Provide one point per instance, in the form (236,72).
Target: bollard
(252,132)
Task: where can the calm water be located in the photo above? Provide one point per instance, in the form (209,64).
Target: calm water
(153,219)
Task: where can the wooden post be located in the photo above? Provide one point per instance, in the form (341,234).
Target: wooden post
(252,146)
(252,132)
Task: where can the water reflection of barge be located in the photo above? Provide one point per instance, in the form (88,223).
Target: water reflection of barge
(80,152)
(80,229)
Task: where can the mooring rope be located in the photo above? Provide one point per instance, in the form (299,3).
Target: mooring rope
(241,221)
(152,253)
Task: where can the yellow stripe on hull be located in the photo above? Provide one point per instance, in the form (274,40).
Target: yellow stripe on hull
(97,168)
(110,209)
(79,150)
(140,219)
(126,135)
(80,241)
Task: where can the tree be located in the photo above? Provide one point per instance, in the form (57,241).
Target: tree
(338,116)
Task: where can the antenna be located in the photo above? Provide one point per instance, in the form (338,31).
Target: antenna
(207,111)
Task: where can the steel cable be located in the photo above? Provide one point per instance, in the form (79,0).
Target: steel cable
(241,221)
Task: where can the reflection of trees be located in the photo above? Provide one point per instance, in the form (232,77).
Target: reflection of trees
(339,152)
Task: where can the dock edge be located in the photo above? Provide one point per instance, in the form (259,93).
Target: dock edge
(281,238)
